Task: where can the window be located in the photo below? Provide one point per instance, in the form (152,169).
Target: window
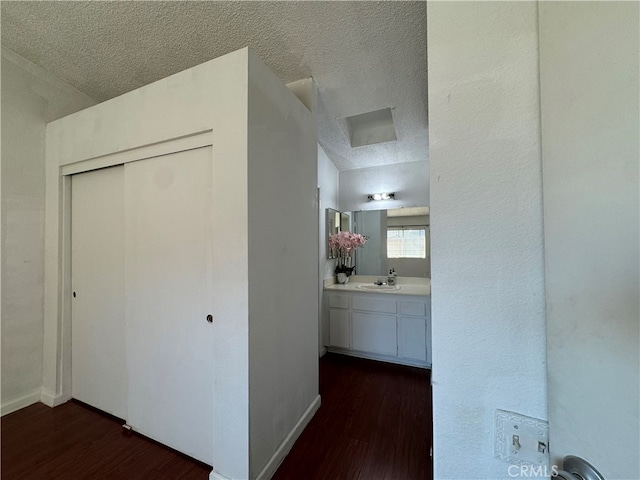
(406,242)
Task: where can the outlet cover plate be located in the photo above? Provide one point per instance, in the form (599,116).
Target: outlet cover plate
(521,440)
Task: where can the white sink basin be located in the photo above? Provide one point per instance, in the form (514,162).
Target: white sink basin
(378,288)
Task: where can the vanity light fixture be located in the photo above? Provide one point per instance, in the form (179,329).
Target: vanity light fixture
(382,196)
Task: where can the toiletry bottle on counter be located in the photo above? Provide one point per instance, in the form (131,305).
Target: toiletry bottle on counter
(391,279)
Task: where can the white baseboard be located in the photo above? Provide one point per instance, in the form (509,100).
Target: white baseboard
(11,406)
(216,476)
(51,399)
(286,445)
(380,358)
(323,351)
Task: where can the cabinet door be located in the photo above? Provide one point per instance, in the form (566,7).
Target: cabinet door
(374,333)
(412,338)
(168,279)
(98,360)
(339,331)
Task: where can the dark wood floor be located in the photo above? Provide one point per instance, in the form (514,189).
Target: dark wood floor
(374,424)
(74,441)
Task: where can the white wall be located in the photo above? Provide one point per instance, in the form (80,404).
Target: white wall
(283,269)
(30,98)
(590,137)
(409,180)
(486,228)
(328,184)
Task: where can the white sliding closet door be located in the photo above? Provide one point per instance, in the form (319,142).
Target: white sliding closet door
(168,265)
(97,277)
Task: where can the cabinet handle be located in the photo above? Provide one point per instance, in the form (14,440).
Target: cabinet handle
(210,318)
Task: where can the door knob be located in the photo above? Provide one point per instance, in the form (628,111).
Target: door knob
(579,469)
(210,318)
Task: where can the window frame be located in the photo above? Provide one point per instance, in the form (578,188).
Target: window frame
(403,228)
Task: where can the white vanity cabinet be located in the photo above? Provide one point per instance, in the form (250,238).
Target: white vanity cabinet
(393,328)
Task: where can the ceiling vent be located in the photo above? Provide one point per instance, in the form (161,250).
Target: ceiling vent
(371,128)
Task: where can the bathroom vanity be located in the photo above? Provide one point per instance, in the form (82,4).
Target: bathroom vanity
(381,322)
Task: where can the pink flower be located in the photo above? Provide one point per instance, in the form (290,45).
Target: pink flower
(346,242)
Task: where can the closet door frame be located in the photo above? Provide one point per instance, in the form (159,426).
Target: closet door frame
(169,146)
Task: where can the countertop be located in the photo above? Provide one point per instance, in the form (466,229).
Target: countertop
(408,285)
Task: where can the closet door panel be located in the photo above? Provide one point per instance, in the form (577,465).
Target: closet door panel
(98,363)
(168,271)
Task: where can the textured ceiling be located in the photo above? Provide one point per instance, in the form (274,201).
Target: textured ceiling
(362,55)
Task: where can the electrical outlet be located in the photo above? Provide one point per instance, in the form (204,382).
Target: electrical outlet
(521,439)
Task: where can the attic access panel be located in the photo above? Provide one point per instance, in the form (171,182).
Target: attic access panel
(371,128)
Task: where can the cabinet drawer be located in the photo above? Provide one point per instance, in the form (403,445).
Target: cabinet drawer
(369,304)
(338,301)
(412,308)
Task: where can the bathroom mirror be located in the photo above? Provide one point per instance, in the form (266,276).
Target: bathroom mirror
(397,238)
(345,222)
(336,222)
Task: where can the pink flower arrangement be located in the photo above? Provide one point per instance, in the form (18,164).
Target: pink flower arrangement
(342,244)
(346,242)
